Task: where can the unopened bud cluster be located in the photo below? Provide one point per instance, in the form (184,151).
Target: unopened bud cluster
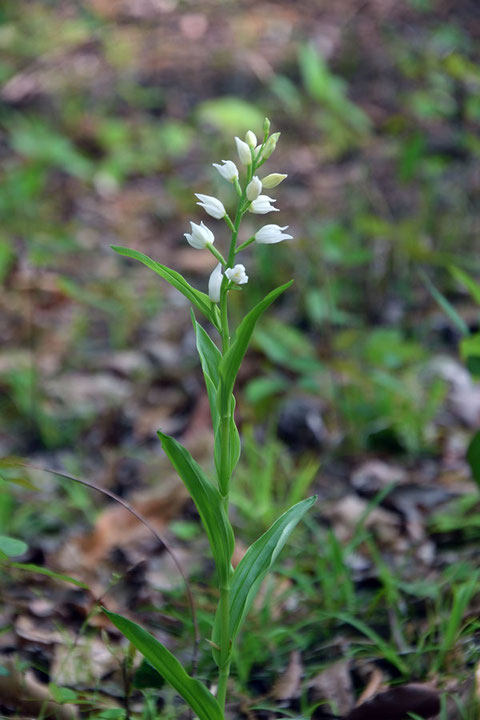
(252,155)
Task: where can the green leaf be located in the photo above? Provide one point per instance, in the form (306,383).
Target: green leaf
(49,573)
(232,359)
(192,691)
(147,677)
(208,501)
(446,306)
(11,461)
(467,281)
(62,695)
(11,546)
(470,351)
(197,298)
(21,481)
(210,357)
(473,456)
(256,563)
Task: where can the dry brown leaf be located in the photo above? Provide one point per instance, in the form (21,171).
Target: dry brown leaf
(118,528)
(373,686)
(396,703)
(347,513)
(334,684)
(287,685)
(28,696)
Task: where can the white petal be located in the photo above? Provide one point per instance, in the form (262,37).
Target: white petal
(254,188)
(243,151)
(270,234)
(215,284)
(228,170)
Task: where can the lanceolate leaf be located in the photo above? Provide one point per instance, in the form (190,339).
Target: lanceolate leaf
(192,691)
(197,298)
(11,547)
(256,563)
(210,357)
(232,359)
(208,501)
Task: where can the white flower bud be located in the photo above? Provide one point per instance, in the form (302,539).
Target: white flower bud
(273,180)
(200,236)
(228,170)
(270,145)
(211,205)
(262,205)
(251,139)
(237,274)
(266,126)
(243,152)
(254,188)
(270,234)
(215,284)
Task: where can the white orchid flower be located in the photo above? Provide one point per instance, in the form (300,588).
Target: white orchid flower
(228,170)
(262,205)
(254,188)
(243,152)
(237,275)
(211,205)
(271,234)
(215,284)
(200,236)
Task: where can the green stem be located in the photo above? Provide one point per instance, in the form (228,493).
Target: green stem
(229,222)
(225,650)
(216,253)
(237,187)
(245,244)
(225,437)
(225,330)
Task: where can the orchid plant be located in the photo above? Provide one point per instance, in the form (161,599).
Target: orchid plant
(220,364)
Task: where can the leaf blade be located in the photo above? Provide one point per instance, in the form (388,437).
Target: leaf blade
(191,690)
(210,357)
(174,278)
(256,563)
(208,502)
(232,359)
